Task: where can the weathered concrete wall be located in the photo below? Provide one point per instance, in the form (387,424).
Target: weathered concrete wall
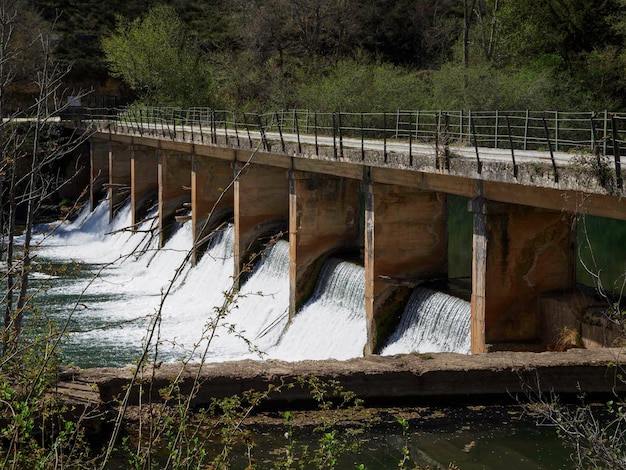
(212,197)
(261,206)
(323,217)
(574,319)
(519,253)
(174,188)
(405,242)
(144,181)
(99,170)
(410,378)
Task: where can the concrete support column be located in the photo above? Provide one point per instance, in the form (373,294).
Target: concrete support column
(212,198)
(261,207)
(323,217)
(119,175)
(99,170)
(405,242)
(519,252)
(174,173)
(144,181)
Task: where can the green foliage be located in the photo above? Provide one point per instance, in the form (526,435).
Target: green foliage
(155,59)
(353,85)
(485,87)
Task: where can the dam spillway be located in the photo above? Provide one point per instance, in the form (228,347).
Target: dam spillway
(127,277)
(333,199)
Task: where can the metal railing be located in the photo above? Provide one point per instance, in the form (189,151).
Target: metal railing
(515,131)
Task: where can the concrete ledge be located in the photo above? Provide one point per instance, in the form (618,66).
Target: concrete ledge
(403,379)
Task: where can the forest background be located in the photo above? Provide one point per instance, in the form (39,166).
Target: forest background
(347,55)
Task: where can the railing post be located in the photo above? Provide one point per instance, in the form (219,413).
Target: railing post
(340,135)
(262,133)
(280,132)
(410,138)
(556,131)
(479,165)
(606,130)
(417,125)
(397,123)
(140,123)
(201,132)
(446,137)
(182,125)
(596,147)
(317,150)
(526,130)
(385,136)
(295,122)
(545,127)
(437,137)
(236,129)
(334,137)
(225,128)
(495,141)
(508,128)
(245,122)
(362,139)
(616,153)
(213,128)
(461,126)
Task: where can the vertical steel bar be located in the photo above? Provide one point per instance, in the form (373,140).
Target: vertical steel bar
(479,165)
(295,122)
(262,133)
(317,150)
(616,153)
(385,136)
(280,132)
(556,131)
(508,128)
(526,130)
(362,139)
(545,127)
(410,138)
(245,122)
(340,135)
(334,137)
(495,142)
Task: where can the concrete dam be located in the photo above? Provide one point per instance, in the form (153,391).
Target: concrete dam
(378,195)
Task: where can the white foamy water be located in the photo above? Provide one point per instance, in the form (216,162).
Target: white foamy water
(128,277)
(333,320)
(432,322)
(126,283)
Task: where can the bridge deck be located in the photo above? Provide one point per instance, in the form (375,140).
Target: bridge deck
(577,183)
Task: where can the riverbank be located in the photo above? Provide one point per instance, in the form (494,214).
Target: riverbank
(410,379)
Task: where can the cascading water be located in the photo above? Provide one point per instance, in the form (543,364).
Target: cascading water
(125,281)
(432,322)
(332,323)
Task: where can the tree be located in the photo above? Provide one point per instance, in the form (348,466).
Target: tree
(152,55)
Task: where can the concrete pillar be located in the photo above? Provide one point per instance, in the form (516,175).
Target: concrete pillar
(174,189)
(119,175)
(144,181)
(99,170)
(519,252)
(261,207)
(405,242)
(212,197)
(323,217)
